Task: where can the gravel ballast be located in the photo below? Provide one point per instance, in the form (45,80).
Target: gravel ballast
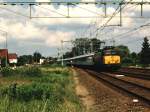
(106,99)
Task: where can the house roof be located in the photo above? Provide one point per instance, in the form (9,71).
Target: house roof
(12,56)
(3,52)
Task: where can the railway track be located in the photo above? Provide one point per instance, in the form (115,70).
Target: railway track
(141,92)
(135,75)
(135,72)
(139,69)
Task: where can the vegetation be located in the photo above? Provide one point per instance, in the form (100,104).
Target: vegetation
(52,90)
(145,53)
(26,71)
(85,45)
(134,59)
(3,61)
(36,57)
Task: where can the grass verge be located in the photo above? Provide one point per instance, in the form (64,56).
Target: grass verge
(38,90)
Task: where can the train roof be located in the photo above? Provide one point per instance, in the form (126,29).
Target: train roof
(78,57)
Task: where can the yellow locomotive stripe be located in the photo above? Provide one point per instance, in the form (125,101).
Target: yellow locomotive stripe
(115,59)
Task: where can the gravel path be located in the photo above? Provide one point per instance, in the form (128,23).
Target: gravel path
(102,98)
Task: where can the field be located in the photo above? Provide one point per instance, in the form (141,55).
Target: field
(38,89)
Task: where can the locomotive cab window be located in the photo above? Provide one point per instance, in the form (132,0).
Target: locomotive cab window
(110,52)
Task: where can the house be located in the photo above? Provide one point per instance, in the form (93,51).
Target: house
(41,61)
(3,54)
(12,58)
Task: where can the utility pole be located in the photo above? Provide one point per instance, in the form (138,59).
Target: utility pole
(5,46)
(6,49)
(113,41)
(91,47)
(62,51)
(84,51)
(5,34)
(58,53)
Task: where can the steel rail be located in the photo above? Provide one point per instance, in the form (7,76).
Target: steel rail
(146,69)
(135,75)
(131,88)
(126,81)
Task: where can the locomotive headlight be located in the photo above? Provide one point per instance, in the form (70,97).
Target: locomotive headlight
(112,59)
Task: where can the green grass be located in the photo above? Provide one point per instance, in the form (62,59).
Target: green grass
(52,90)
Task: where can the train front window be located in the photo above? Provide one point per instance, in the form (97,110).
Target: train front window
(110,52)
(113,52)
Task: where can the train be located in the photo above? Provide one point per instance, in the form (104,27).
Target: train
(107,58)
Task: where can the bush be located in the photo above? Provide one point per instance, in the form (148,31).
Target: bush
(127,60)
(32,91)
(50,92)
(6,71)
(32,71)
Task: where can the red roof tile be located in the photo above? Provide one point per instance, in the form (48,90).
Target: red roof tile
(3,52)
(12,56)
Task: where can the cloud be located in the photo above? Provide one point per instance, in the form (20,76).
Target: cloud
(2,37)
(54,40)
(47,33)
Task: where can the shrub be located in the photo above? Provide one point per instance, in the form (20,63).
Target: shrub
(6,71)
(32,71)
(32,91)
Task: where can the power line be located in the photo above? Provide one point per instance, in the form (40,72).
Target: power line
(124,17)
(116,12)
(76,4)
(134,29)
(52,11)
(17,13)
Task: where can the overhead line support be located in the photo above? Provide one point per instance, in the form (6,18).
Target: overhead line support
(30,11)
(141,8)
(68,10)
(59,3)
(105,8)
(120,15)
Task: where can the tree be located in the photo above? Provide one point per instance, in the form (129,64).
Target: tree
(25,59)
(3,62)
(123,51)
(96,44)
(36,57)
(145,52)
(135,58)
(82,45)
(86,45)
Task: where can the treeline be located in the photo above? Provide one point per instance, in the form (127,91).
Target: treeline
(85,45)
(136,59)
(34,59)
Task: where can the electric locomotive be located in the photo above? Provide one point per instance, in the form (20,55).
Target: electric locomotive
(107,58)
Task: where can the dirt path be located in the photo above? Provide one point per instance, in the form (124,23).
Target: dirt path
(83,93)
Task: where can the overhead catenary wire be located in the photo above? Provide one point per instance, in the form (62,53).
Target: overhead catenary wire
(116,12)
(52,11)
(113,28)
(128,32)
(134,29)
(134,40)
(104,25)
(17,13)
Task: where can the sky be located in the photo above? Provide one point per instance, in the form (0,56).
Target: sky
(44,35)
